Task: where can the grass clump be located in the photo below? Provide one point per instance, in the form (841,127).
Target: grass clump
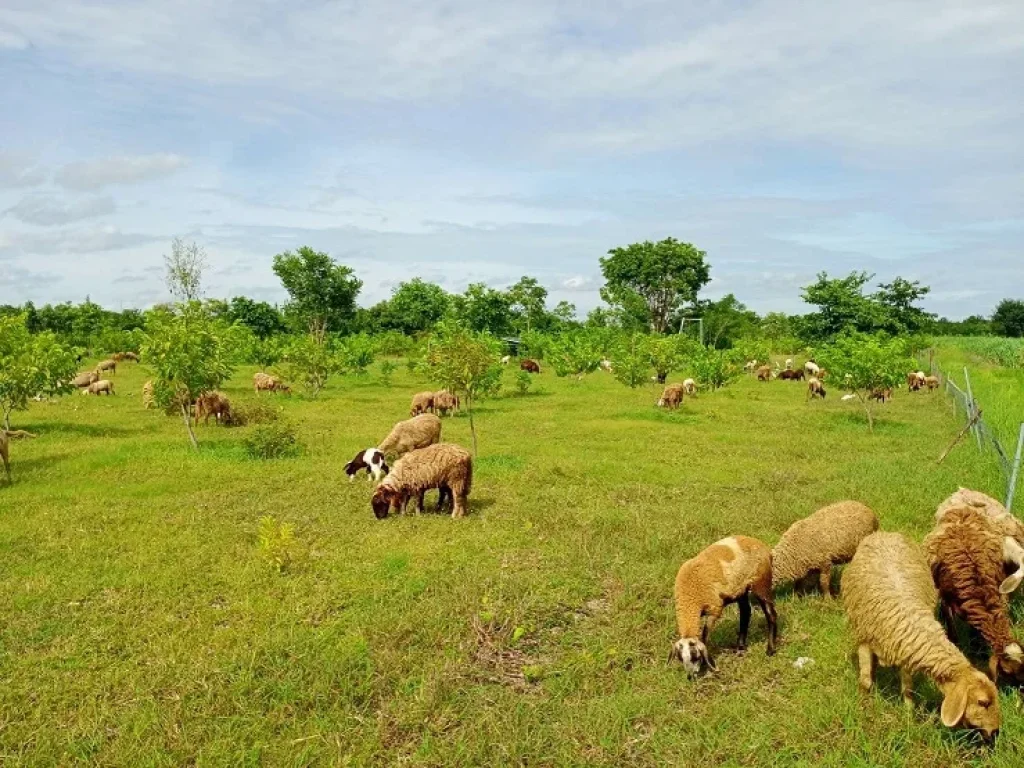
(256,412)
(276,440)
(277,543)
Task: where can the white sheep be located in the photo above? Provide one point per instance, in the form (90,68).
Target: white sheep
(690,387)
(444,466)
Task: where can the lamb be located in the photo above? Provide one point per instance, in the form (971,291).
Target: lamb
(103,386)
(506,359)
(931,382)
(148,401)
(671,397)
(690,387)
(811,369)
(890,605)
(445,402)
(728,571)
(106,365)
(85,379)
(827,538)
(445,466)
(530,366)
(264,382)
(422,402)
(214,404)
(815,389)
(417,432)
(965,552)
(764,373)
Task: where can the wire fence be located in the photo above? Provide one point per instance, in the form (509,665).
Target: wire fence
(985,437)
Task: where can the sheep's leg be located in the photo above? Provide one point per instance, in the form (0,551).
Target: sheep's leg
(744,604)
(459,505)
(825,581)
(866,660)
(7,464)
(907,686)
(419,501)
(768,608)
(709,624)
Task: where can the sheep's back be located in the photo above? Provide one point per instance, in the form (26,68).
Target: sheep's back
(829,536)
(431,466)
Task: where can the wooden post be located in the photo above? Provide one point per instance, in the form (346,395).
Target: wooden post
(1016,469)
(972,408)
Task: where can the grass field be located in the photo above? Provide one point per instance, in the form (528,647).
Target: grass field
(143,625)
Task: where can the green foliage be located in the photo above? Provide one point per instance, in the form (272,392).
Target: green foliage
(483,309)
(414,306)
(30,365)
(897,300)
(393,343)
(322,293)
(725,321)
(253,412)
(534,344)
(715,368)
(574,354)
(1008,319)
(387,371)
(862,363)
(650,281)
(312,360)
(276,439)
(664,354)
(843,306)
(527,303)
(277,542)
(261,318)
(184,270)
(1008,353)
(356,353)
(632,364)
(189,353)
(268,352)
(523,382)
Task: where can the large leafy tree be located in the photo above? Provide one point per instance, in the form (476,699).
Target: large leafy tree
(30,364)
(527,298)
(261,318)
(415,306)
(842,306)
(654,278)
(322,292)
(725,321)
(482,308)
(898,299)
(1008,319)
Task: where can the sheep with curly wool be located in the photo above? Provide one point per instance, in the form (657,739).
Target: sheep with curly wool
(890,602)
(690,387)
(827,538)
(965,551)
(422,402)
(671,397)
(445,466)
(1005,522)
(417,432)
(445,402)
(729,571)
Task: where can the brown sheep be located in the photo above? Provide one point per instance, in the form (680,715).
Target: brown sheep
(791,375)
(815,389)
(671,397)
(103,386)
(422,402)
(264,382)
(764,373)
(965,551)
(445,402)
(85,379)
(444,466)
(214,404)
(106,365)
(931,382)
(530,366)
(881,394)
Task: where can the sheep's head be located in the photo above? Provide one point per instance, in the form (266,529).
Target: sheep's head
(383,499)
(1009,663)
(972,701)
(693,655)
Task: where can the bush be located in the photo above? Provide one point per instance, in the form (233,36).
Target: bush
(253,412)
(714,368)
(523,382)
(387,370)
(356,353)
(277,542)
(312,361)
(276,440)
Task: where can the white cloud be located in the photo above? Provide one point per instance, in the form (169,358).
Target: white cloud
(19,170)
(45,210)
(73,241)
(121,169)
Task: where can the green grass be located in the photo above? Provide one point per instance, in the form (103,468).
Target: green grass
(144,626)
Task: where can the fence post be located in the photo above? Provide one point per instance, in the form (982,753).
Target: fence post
(1016,468)
(972,407)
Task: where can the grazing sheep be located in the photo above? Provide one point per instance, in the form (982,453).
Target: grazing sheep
(671,397)
(530,366)
(264,382)
(764,373)
(827,538)
(445,402)
(811,369)
(729,571)
(422,402)
(1006,523)
(103,386)
(881,394)
(106,365)
(931,382)
(815,389)
(848,398)
(690,387)
(506,359)
(85,379)
(148,401)
(606,365)
(417,432)
(214,404)
(444,466)
(890,604)
(750,366)
(791,375)
(965,552)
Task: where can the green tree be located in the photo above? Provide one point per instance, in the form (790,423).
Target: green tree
(465,363)
(30,364)
(262,318)
(574,354)
(322,292)
(415,306)
(484,309)
(312,361)
(356,353)
(632,365)
(663,354)
(863,363)
(725,321)
(527,301)
(563,315)
(898,300)
(842,306)
(190,353)
(654,279)
(1008,319)
(184,269)
(715,368)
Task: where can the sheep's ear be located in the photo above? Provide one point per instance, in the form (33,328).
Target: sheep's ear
(993,668)
(1011,582)
(954,706)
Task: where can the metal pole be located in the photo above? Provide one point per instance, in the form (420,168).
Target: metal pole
(700,325)
(972,406)
(1016,469)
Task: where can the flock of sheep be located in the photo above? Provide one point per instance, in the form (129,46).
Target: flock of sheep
(969,563)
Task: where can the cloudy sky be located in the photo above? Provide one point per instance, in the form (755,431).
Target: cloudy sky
(466,140)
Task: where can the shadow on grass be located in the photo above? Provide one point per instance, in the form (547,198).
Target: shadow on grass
(87,430)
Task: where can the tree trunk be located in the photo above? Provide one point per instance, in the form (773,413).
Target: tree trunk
(866,402)
(7,419)
(186,416)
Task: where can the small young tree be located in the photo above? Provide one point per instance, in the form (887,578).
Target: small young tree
(30,365)
(574,354)
(190,353)
(715,368)
(664,355)
(862,363)
(357,353)
(185,265)
(312,361)
(465,363)
(632,365)
(322,292)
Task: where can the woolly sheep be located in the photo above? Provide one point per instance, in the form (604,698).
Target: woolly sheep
(530,366)
(965,552)
(764,373)
(1006,523)
(417,432)
(789,364)
(811,369)
(264,382)
(106,365)
(445,402)
(214,404)
(606,365)
(422,402)
(105,386)
(815,389)
(931,382)
(790,375)
(881,394)
(506,359)
(671,397)
(890,605)
(444,466)
(85,379)
(827,538)
(690,387)
(729,571)
(750,366)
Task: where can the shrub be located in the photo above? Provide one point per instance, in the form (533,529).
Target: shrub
(632,364)
(274,440)
(574,354)
(387,370)
(253,412)
(523,382)
(862,363)
(277,542)
(714,368)
(356,353)
(312,361)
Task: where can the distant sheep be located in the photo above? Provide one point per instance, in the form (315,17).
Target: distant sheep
(931,382)
(729,571)
(106,365)
(417,432)
(214,404)
(690,387)
(422,402)
(789,364)
(506,359)
(965,552)
(445,402)
(530,366)
(815,389)
(811,369)
(764,373)
(85,379)
(890,602)
(814,545)
(606,365)
(881,394)
(265,382)
(444,466)
(791,375)
(671,397)
(750,366)
(103,386)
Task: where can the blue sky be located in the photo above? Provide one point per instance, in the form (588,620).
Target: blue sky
(470,140)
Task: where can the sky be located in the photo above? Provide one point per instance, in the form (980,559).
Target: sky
(470,140)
